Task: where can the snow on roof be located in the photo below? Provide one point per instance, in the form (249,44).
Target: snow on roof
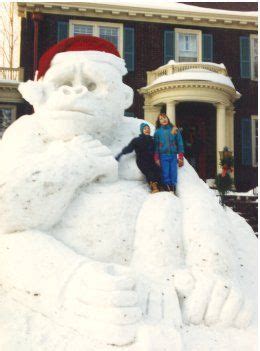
(195,74)
(172,62)
(170,5)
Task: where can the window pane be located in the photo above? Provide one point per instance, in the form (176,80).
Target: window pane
(5,118)
(255,58)
(82,29)
(188,47)
(110,34)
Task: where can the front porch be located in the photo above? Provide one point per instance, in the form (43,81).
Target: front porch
(10,98)
(197,82)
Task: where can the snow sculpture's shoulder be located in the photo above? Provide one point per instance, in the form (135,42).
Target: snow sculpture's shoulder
(22,127)
(127,129)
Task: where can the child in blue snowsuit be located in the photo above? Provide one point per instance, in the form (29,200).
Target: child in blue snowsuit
(168,144)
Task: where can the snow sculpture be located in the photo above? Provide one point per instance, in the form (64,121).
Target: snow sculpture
(89,259)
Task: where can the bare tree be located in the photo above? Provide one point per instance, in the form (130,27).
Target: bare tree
(8,35)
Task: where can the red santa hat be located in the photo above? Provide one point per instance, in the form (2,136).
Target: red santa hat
(81,46)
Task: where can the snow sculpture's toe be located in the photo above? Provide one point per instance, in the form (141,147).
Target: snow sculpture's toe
(100,300)
(216,302)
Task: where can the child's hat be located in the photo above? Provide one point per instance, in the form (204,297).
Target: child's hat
(142,125)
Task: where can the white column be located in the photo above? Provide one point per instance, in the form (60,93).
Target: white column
(151,113)
(170,111)
(221,132)
(230,128)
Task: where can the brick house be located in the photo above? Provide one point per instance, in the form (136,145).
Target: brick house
(179,60)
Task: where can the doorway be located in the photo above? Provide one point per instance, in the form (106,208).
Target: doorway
(198,123)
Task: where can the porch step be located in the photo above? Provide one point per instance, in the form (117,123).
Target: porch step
(245,206)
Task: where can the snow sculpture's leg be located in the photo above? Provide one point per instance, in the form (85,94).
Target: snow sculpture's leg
(210,243)
(157,257)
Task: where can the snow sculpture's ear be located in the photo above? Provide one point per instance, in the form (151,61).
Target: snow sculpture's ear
(32,91)
(129,95)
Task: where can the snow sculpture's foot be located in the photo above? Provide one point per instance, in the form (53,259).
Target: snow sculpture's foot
(100,300)
(159,338)
(159,303)
(216,302)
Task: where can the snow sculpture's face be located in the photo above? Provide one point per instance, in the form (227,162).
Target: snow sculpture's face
(81,97)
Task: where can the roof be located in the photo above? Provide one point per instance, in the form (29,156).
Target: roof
(147,11)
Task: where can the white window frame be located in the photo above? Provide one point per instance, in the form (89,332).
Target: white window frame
(13,114)
(254,160)
(252,37)
(188,31)
(95,30)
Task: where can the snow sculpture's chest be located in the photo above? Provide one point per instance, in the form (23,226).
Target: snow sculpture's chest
(100,223)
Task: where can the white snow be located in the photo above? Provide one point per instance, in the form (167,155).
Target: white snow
(195,74)
(90,260)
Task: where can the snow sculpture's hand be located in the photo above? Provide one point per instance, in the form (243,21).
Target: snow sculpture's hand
(216,301)
(100,300)
(102,164)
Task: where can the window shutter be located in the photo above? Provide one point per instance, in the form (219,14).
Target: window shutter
(244,57)
(207,48)
(129,48)
(246,142)
(62,31)
(169,44)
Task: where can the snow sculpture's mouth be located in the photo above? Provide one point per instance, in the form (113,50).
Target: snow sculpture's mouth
(75,111)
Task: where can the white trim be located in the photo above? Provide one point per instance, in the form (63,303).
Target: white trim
(95,30)
(254,161)
(252,37)
(189,31)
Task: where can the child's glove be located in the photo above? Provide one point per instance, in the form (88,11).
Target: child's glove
(118,156)
(157,159)
(180,160)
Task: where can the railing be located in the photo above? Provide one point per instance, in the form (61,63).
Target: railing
(176,67)
(14,74)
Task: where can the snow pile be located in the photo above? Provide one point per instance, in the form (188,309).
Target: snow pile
(89,259)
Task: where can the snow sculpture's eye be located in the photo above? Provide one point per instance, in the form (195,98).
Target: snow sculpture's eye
(91,86)
(67,83)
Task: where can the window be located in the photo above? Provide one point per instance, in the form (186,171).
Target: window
(249,57)
(254,56)
(188,45)
(254,141)
(112,32)
(7,116)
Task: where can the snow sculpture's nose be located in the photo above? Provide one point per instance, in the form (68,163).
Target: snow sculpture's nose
(74,90)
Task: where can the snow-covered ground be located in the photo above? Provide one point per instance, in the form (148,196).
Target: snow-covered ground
(90,260)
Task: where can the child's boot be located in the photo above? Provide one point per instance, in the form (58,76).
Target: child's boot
(154,187)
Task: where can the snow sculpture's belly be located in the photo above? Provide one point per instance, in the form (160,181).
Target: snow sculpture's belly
(100,223)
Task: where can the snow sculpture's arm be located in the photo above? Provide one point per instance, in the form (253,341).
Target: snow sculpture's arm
(40,177)
(210,254)
(42,274)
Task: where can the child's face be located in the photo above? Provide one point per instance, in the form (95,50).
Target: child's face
(163,120)
(146,130)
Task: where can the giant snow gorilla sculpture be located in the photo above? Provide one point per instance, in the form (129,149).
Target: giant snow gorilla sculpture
(83,243)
